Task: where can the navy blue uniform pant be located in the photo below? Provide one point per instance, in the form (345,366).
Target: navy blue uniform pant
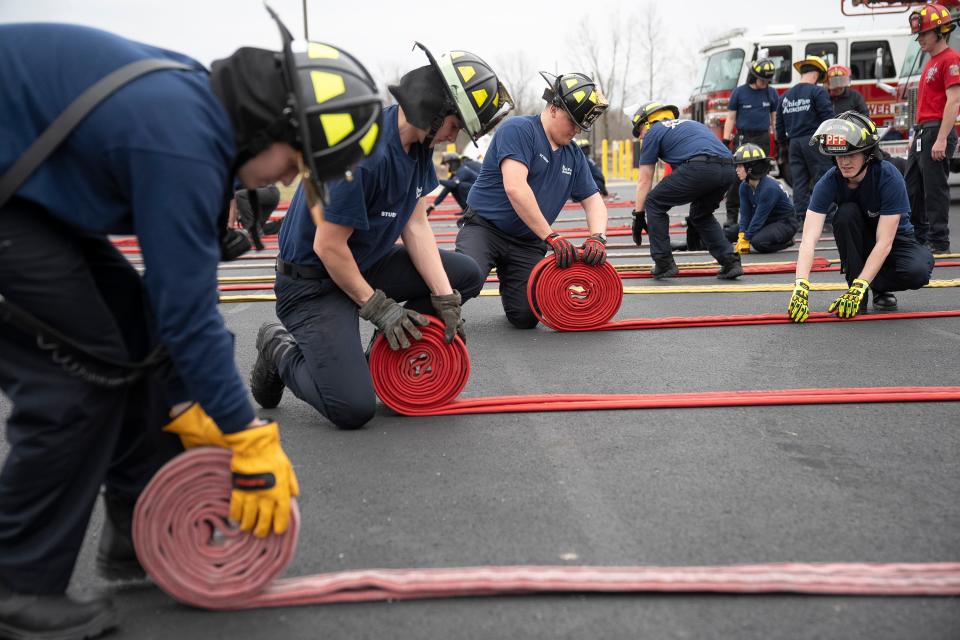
(807,165)
(703,185)
(908,266)
(514,259)
(68,436)
(327,369)
(776,235)
(927,186)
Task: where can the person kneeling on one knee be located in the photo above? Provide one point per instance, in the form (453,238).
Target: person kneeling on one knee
(872,222)
(767,220)
(344,262)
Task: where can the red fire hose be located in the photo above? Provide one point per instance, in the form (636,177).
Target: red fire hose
(186,544)
(584,298)
(430,372)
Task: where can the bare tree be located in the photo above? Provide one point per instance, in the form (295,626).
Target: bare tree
(522,81)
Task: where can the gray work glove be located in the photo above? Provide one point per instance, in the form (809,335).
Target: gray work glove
(448,310)
(393,320)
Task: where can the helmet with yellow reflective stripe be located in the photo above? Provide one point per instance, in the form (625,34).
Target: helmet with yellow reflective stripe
(850,132)
(334,107)
(650,112)
(753,158)
(932,16)
(473,91)
(578,95)
(764,68)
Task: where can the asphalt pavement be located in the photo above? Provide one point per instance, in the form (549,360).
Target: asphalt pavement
(831,483)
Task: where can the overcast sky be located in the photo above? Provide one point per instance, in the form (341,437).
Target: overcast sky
(381,32)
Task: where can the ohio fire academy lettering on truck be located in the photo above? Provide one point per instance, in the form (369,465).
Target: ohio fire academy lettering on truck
(796,106)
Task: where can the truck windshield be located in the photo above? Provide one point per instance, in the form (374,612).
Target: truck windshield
(913,61)
(723,70)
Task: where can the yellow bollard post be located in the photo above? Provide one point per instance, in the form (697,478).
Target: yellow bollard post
(624,167)
(603,159)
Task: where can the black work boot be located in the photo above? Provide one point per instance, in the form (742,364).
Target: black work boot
(884,301)
(53,617)
(116,557)
(273,341)
(664,269)
(730,268)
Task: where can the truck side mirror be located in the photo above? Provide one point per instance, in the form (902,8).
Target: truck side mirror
(878,64)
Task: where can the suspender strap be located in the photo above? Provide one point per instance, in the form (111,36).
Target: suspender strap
(67,121)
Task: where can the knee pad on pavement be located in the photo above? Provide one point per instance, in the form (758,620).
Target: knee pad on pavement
(522,320)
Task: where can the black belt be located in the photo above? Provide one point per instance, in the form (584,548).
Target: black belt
(711,159)
(300,271)
(927,124)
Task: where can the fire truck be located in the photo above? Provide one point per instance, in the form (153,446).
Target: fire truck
(896,140)
(873,58)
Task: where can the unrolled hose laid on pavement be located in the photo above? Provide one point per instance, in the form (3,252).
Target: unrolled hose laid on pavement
(187,545)
(585,298)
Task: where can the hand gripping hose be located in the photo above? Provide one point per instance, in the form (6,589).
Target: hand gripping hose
(429,373)
(577,298)
(186,544)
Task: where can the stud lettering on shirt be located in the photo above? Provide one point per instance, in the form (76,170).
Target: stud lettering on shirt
(419,191)
(565,170)
(388,214)
(545,159)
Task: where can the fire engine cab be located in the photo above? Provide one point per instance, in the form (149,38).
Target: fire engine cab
(872,56)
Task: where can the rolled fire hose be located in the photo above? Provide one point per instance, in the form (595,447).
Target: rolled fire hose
(187,545)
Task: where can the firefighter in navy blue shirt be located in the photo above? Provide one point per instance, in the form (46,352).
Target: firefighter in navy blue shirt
(529,171)
(871,224)
(767,220)
(799,113)
(702,174)
(350,264)
(157,158)
(751,108)
(595,170)
(463,173)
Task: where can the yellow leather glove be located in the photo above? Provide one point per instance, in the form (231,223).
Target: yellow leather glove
(743,245)
(263,480)
(848,305)
(799,307)
(196,429)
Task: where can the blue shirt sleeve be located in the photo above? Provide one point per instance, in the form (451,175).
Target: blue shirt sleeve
(893,192)
(650,149)
(746,209)
(734,103)
(824,194)
(177,231)
(781,127)
(348,202)
(515,143)
(822,104)
(584,185)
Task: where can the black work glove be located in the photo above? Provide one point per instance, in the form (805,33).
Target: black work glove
(563,250)
(448,309)
(393,320)
(639,226)
(594,250)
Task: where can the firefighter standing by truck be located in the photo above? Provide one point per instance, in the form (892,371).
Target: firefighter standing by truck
(752,107)
(800,112)
(842,95)
(934,138)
